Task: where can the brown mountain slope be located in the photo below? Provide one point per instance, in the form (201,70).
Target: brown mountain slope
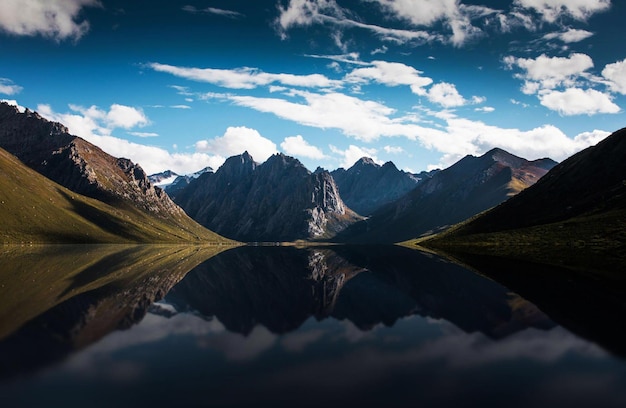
(34,209)
(48,148)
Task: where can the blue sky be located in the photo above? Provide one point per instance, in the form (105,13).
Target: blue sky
(182,85)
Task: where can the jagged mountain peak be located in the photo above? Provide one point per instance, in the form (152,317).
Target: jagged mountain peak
(365,161)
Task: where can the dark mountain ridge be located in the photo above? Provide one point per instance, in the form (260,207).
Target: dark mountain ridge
(367,186)
(470,186)
(279,200)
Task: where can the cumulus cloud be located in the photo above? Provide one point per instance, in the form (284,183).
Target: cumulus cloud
(55,19)
(86,123)
(244,78)
(549,72)
(576,101)
(237,140)
(616,75)
(391,74)
(297,146)
(393,149)
(7,87)
(552,10)
(544,76)
(446,95)
(353,153)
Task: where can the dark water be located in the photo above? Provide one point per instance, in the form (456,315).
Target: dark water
(280,326)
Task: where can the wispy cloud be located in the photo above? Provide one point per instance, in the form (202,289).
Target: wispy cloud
(213,10)
(245,77)
(7,87)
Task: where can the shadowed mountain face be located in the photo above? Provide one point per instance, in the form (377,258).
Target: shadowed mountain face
(280,288)
(472,185)
(279,200)
(367,186)
(48,148)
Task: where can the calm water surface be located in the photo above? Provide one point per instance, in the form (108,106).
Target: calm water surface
(281,326)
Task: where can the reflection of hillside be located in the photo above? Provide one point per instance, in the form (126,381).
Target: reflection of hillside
(280,288)
(61,299)
(433,288)
(592,308)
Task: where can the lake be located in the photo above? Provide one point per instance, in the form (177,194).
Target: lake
(104,326)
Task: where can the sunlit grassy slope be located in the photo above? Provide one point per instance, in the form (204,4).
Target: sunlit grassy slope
(34,209)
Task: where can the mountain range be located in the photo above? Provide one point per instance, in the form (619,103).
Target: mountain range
(468,187)
(367,186)
(279,200)
(105,199)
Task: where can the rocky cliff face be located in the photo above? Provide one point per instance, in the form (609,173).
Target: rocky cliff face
(279,200)
(470,186)
(367,186)
(51,150)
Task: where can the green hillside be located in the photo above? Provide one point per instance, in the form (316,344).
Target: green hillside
(33,209)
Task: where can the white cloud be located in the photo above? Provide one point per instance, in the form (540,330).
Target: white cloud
(180,107)
(305,13)
(391,74)
(425,13)
(7,87)
(576,101)
(571,35)
(245,77)
(297,146)
(464,136)
(446,95)
(552,10)
(237,140)
(543,75)
(126,117)
(393,149)
(550,72)
(152,159)
(144,134)
(365,120)
(353,153)
(616,75)
(486,109)
(56,19)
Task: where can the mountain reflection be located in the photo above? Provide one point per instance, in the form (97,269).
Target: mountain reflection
(63,298)
(281,287)
(286,326)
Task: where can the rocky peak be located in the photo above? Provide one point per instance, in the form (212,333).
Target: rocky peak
(365,161)
(50,149)
(238,166)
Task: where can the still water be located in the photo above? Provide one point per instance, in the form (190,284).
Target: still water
(282,326)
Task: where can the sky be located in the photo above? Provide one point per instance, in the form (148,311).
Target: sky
(182,85)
